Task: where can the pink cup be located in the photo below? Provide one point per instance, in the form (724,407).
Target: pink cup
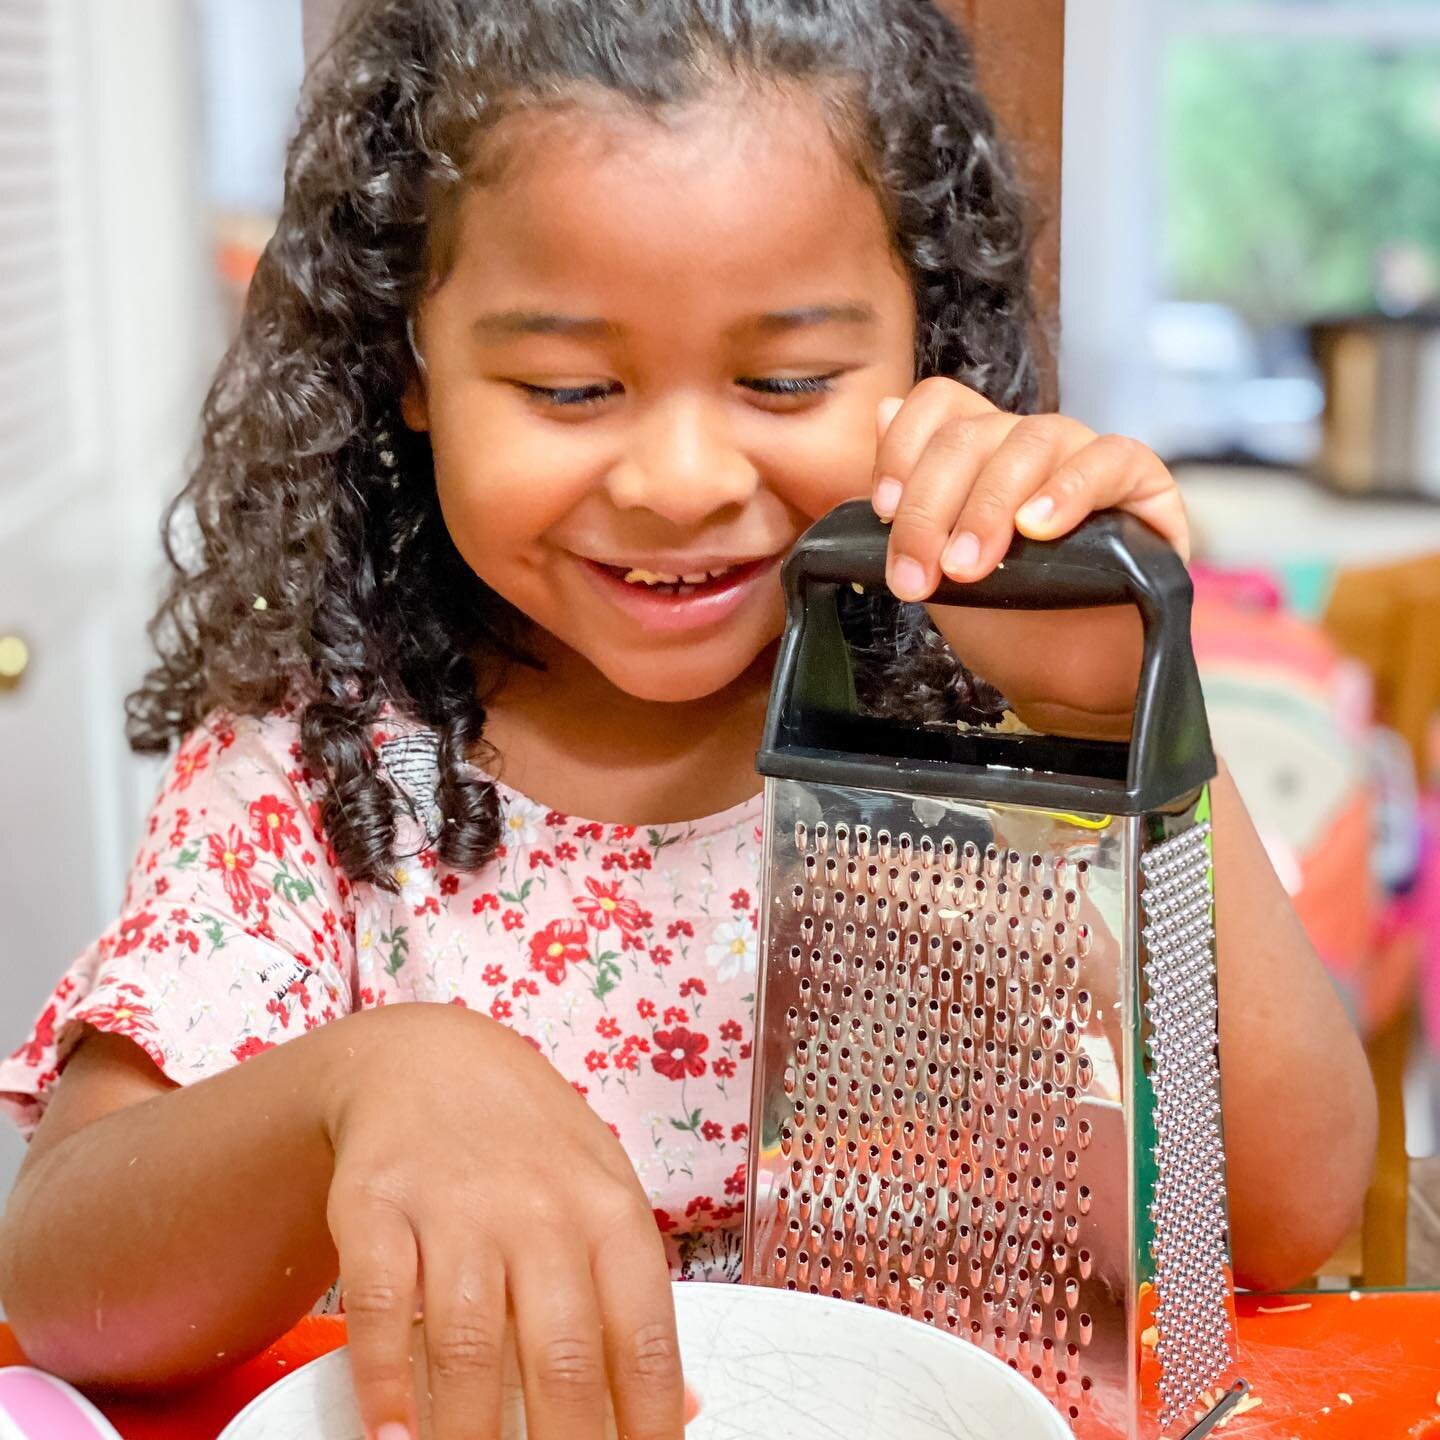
(37,1406)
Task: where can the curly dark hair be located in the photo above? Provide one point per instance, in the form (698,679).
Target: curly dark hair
(285,545)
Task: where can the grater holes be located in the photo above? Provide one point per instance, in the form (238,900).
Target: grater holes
(926,996)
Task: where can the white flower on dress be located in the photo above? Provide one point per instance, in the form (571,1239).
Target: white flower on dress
(521,822)
(732,948)
(413,880)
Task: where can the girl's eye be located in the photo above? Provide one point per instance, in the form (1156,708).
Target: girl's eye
(799,386)
(570,396)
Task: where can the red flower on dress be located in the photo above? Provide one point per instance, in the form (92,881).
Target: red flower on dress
(692,986)
(605,903)
(730,1030)
(191,760)
(234,858)
(560,943)
(740,900)
(500,1008)
(449,884)
(481,903)
(493,974)
(712,1130)
(663,1222)
(679,1053)
(608,1027)
(41,1039)
(645,1009)
(274,823)
(512,919)
(740,1131)
(251,1045)
(596,1060)
(127,1016)
(679,927)
(724,1068)
(132,932)
(735,1181)
(564,850)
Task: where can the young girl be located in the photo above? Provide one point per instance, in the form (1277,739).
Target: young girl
(575,317)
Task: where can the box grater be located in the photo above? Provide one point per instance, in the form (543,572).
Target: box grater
(986,1084)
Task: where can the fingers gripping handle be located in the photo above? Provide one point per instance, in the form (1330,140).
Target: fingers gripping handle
(1110,559)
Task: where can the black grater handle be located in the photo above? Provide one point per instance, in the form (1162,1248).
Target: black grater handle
(1109,559)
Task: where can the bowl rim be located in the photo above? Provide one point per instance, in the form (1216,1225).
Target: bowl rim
(700,1293)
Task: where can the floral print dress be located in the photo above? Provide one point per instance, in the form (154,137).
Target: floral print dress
(624,954)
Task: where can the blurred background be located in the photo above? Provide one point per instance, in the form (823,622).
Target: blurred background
(1250,283)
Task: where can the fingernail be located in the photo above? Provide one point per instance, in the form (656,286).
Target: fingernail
(886,411)
(887,497)
(1037,511)
(393,1431)
(907,578)
(961,553)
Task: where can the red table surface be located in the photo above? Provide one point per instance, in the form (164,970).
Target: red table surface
(1324,1367)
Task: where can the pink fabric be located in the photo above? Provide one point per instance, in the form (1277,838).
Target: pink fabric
(625,955)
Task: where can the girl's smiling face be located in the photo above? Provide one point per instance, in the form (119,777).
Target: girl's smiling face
(658,346)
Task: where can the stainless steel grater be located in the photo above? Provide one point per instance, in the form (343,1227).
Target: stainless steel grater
(987,1088)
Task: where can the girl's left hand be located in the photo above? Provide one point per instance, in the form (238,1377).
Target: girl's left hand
(957,477)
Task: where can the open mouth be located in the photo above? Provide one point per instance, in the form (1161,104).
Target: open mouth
(696,583)
(671,602)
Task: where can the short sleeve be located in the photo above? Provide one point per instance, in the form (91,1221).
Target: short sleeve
(236,930)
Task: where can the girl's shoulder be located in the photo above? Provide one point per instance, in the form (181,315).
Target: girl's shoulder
(407,752)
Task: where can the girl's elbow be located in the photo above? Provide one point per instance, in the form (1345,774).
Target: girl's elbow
(1279,1241)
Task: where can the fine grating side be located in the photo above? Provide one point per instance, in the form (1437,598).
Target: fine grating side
(1192,1280)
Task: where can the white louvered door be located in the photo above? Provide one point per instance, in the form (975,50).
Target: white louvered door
(103,354)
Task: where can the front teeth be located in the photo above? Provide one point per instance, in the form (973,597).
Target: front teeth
(655,577)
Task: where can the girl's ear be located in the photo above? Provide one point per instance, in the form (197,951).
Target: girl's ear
(414,409)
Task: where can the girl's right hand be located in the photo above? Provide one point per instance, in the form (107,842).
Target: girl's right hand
(467,1172)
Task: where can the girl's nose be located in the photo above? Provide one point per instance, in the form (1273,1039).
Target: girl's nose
(682,463)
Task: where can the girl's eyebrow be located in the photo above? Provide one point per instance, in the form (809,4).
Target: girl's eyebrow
(506,324)
(853,312)
(503,324)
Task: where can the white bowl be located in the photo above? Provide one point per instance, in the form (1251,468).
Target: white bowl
(764,1363)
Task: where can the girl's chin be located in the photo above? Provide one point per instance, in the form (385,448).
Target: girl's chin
(674,682)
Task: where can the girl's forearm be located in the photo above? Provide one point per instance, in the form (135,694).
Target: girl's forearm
(1299,1104)
(180,1233)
